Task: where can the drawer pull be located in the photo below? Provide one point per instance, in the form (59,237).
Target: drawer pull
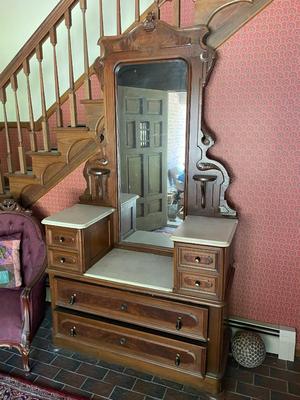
(61,239)
(177,360)
(178,323)
(209,260)
(124,307)
(207,284)
(122,341)
(62,260)
(73,331)
(72,299)
(198,283)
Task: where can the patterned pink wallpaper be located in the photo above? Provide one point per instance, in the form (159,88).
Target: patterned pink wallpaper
(252,105)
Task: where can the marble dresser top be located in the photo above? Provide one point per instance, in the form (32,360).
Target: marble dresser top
(208,231)
(135,268)
(79,216)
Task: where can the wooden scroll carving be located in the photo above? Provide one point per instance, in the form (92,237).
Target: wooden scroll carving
(206,179)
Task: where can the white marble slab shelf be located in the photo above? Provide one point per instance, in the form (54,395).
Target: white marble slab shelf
(79,216)
(135,268)
(208,231)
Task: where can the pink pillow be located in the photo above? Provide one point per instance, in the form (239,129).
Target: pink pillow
(10,273)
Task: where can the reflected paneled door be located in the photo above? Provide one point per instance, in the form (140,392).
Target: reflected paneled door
(143,129)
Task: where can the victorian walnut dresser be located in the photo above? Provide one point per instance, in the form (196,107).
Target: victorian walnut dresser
(140,270)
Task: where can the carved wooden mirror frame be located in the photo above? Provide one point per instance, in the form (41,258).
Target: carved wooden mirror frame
(206,179)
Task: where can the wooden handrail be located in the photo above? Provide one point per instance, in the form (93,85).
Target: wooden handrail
(37,38)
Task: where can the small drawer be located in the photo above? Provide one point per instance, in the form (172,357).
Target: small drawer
(168,316)
(134,344)
(198,258)
(63,237)
(198,284)
(64,260)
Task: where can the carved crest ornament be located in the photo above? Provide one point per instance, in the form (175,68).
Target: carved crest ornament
(207,179)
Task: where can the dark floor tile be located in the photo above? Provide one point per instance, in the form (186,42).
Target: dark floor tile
(138,374)
(15,360)
(42,355)
(42,343)
(119,379)
(44,333)
(283,396)
(235,396)
(294,366)
(70,378)
(230,384)
(149,388)
(285,375)
(261,370)
(273,361)
(6,368)
(44,382)
(98,397)
(124,394)
(242,375)
(92,371)
(77,391)
(29,376)
(172,394)
(97,387)
(66,363)
(294,388)
(191,390)
(4,355)
(62,352)
(46,370)
(114,367)
(252,391)
(165,382)
(270,383)
(84,358)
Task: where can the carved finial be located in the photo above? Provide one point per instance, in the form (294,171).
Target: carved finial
(12,205)
(150,22)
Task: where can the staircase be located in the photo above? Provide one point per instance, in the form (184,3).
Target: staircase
(50,124)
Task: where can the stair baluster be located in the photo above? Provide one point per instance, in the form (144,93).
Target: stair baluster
(32,135)
(53,41)
(1,180)
(72,94)
(137,10)
(101,18)
(45,125)
(6,129)
(119,23)
(21,151)
(176,13)
(87,81)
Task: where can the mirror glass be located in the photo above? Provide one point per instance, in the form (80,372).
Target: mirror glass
(151,123)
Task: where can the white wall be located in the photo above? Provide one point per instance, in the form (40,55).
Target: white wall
(18,22)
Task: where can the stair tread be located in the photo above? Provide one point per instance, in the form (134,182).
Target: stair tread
(75,128)
(43,153)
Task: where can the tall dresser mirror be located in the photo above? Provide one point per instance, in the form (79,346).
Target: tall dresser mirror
(151,118)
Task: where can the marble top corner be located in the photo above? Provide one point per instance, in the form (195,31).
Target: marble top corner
(79,216)
(210,231)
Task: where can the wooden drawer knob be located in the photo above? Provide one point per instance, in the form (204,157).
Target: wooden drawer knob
(197,259)
(177,360)
(73,331)
(61,239)
(62,260)
(72,299)
(122,341)
(198,283)
(124,307)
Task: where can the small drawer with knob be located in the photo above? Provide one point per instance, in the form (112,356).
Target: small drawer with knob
(60,259)
(198,257)
(129,343)
(63,238)
(198,284)
(163,315)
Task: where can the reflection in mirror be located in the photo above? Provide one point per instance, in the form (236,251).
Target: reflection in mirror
(151,117)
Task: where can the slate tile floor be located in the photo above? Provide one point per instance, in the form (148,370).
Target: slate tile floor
(96,379)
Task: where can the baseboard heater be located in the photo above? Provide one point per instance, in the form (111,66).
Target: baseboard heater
(278,339)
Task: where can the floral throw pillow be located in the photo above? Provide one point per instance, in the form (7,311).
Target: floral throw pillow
(10,274)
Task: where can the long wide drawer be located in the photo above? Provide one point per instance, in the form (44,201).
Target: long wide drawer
(147,347)
(164,315)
